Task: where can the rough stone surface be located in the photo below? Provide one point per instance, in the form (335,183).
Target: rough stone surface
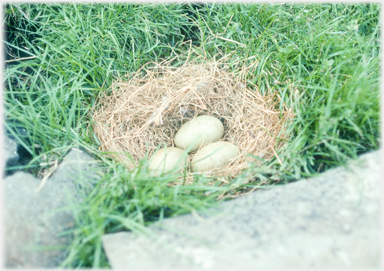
(34,221)
(330,221)
(78,169)
(10,152)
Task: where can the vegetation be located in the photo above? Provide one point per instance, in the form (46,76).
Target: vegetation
(322,59)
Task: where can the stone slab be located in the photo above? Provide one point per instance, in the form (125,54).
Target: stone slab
(31,223)
(329,221)
(35,221)
(79,169)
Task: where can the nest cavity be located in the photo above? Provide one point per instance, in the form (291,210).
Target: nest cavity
(144,110)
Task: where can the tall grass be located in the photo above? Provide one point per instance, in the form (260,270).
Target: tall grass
(322,59)
(78,49)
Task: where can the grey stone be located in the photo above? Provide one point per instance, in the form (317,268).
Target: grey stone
(11,157)
(35,221)
(31,223)
(329,221)
(78,169)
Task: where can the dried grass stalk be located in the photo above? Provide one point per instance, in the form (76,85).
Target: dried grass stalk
(147,109)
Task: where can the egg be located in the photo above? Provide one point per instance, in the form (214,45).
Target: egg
(166,160)
(214,156)
(199,131)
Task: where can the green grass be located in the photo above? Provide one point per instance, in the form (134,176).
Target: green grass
(322,59)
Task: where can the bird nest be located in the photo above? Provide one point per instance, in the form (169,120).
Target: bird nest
(144,110)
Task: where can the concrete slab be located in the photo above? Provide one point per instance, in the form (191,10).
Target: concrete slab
(329,221)
(36,220)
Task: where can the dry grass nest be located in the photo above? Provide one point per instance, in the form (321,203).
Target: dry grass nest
(145,109)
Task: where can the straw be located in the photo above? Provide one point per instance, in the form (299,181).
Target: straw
(146,110)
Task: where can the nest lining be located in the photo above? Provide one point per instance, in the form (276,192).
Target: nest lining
(145,109)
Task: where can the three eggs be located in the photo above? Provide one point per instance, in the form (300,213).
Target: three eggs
(201,134)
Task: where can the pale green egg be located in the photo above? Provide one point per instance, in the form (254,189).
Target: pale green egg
(214,156)
(166,160)
(198,132)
